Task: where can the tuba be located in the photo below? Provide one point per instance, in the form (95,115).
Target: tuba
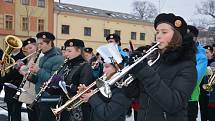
(12,42)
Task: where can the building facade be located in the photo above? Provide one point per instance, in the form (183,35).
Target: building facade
(207,36)
(25,18)
(93,25)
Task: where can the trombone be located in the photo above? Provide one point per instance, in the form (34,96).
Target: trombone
(103,85)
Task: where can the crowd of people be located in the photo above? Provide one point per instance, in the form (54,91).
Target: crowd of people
(171,89)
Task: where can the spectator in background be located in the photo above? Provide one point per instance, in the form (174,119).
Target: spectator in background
(201,66)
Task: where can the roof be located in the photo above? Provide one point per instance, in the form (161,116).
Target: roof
(65,7)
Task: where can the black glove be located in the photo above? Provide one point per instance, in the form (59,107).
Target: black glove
(138,67)
(133,56)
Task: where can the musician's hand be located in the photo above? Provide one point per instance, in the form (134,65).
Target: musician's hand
(81,88)
(34,68)
(85,97)
(139,67)
(209,70)
(213,69)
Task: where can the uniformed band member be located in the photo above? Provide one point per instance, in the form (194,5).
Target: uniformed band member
(15,78)
(48,64)
(107,109)
(28,96)
(115,38)
(166,86)
(77,71)
(88,53)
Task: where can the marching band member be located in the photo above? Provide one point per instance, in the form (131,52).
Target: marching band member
(15,78)
(77,71)
(166,86)
(48,64)
(204,94)
(88,53)
(115,38)
(107,109)
(28,96)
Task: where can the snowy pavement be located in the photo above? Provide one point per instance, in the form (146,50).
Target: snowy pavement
(3,113)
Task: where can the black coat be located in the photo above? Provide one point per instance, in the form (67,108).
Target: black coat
(113,109)
(76,71)
(166,87)
(13,77)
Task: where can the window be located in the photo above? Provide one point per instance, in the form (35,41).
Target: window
(41,25)
(87,31)
(65,29)
(10,1)
(133,35)
(25,2)
(25,24)
(142,36)
(117,32)
(41,3)
(9,22)
(106,32)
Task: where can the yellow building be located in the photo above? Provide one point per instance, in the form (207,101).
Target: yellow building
(93,25)
(26,18)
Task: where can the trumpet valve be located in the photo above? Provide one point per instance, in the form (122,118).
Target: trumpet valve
(207,87)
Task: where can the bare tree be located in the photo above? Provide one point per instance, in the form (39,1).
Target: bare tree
(145,9)
(207,8)
(200,23)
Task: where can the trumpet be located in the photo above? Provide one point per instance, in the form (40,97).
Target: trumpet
(74,102)
(209,86)
(45,86)
(103,83)
(18,93)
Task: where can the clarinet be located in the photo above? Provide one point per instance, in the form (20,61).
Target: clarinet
(19,90)
(45,86)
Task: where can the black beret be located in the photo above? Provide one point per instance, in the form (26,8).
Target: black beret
(176,22)
(116,37)
(193,30)
(88,49)
(74,42)
(208,47)
(28,41)
(45,35)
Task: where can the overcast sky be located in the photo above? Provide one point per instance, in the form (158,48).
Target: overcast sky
(184,8)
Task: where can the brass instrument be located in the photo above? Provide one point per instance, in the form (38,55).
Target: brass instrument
(103,83)
(74,102)
(45,86)
(12,42)
(209,86)
(25,78)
